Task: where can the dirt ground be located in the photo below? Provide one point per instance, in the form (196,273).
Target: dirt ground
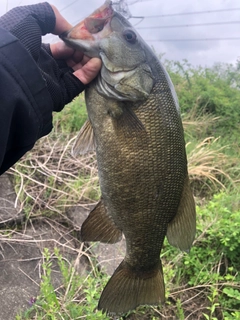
(21,252)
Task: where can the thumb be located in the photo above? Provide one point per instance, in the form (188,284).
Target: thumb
(88,71)
(61,24)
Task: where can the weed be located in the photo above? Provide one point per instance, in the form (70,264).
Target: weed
(213,305)
(76,298)
(50,179)
(71,118)
(180,312)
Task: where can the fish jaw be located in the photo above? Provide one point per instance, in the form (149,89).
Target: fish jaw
(108,35)
(87,34)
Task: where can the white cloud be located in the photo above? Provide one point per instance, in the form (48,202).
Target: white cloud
(197,52)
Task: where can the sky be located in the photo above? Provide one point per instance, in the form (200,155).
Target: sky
(217,26)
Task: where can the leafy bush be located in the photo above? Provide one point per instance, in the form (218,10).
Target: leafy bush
(213,91)
(214,258)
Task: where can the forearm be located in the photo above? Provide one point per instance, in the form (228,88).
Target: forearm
(35,80)
(25,103)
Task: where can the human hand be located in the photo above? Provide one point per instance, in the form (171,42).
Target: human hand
(85,68)
(65,71)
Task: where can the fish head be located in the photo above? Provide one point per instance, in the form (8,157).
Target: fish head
(126,73)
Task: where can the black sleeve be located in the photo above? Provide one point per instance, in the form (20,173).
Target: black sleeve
(25,103)
(32,83)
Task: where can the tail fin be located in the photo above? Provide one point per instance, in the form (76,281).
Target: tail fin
(127,289)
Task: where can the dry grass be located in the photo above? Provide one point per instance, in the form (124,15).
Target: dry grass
(201,125)
(49,177)
(207,163)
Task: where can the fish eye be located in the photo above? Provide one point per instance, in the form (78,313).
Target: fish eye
(130,36)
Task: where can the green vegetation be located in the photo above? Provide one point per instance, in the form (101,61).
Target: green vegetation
(76,299)
(210,91)
(213,265)
(204,284)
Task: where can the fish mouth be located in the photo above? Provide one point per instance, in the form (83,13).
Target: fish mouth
(85,36)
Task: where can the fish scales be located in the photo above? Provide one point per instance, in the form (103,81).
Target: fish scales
(146,196)
(135,125)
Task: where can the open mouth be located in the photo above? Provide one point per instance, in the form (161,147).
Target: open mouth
(90,26)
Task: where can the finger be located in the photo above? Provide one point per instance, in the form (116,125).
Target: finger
(80,64)
(78,56)
(89,71)
(77,61)
(61,23)
(72,64)
(61,51)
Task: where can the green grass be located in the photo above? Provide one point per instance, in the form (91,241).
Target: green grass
(77,297)
(213,264)
(72,117)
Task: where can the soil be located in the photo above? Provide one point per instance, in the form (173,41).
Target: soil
(21,252)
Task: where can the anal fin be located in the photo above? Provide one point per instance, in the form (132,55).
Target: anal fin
(182,229)
(99,226)
(85,141)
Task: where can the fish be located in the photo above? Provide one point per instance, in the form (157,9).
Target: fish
(134,125)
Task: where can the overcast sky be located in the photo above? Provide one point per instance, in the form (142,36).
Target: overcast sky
(196,52)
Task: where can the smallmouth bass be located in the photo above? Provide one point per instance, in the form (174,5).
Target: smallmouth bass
(135,126)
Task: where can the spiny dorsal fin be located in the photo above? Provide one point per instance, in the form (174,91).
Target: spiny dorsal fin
(129,288)
(181,230)
(85,141)
(99,226)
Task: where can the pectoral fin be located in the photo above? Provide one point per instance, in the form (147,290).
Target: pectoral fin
(181,230)
(129,123)
(99,227)
(85,141)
